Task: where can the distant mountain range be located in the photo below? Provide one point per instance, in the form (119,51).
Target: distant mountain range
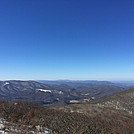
(56,92)
(125,84)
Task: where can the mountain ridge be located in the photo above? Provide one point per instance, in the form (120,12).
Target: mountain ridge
(48,93)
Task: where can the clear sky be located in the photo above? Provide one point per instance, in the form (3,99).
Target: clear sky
(67,39)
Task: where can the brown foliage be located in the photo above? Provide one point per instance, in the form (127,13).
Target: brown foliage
(106,121)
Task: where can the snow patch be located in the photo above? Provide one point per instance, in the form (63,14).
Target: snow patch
(2,132)
(86,94)
(93,98)
(43,90)
(6,83)
(60,92)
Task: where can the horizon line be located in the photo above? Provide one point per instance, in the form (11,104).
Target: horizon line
(120,80)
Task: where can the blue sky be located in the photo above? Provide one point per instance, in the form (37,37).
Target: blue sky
(67,39)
